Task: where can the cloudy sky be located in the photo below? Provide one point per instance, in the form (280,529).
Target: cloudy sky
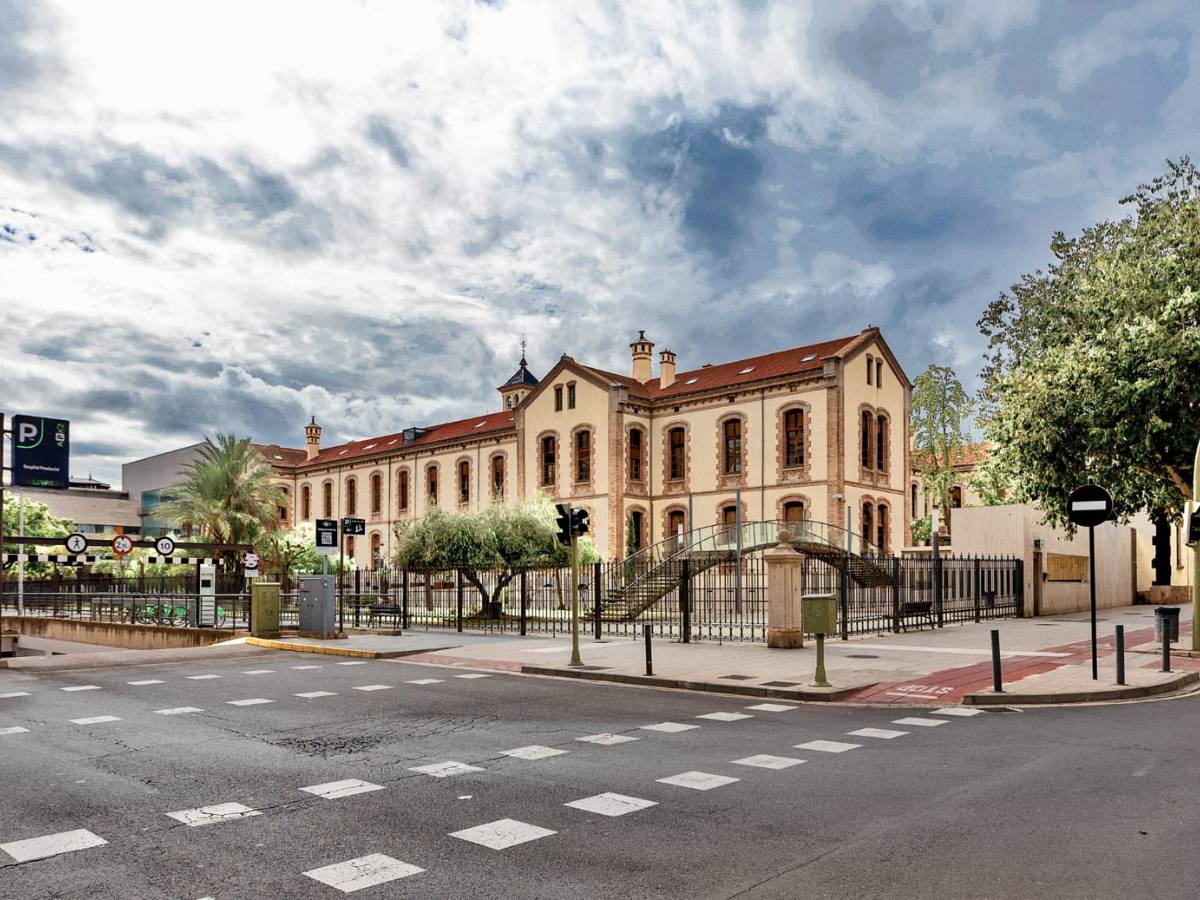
(236,215)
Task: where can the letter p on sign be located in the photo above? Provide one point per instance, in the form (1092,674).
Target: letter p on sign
(26,433)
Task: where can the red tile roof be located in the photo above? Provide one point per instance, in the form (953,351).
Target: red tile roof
(501,420)
(971,456)
(280,456)
(732,374)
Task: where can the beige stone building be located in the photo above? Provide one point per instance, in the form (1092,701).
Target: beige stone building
(817,433)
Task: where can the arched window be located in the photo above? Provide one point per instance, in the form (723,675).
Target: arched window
(583,454)
(881,529)
(327,500)
(676,522)
(497,477)
(349,542)
(729,515)
(549,474)
(913,491)
(376,494)
(956,496)
(868,523)
(306,502)
(793,439)
(464,482)
(431,484)
(402,491)
(881,427)
(376,550)
(793,511)
(637,453)
(866,440)
(351,496)
(676,454)
(731,463)
(637,529)
(282,509)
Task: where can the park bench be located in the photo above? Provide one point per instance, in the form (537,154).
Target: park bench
(383,611)
(915,609)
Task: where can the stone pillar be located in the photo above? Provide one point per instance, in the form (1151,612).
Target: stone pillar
(264,609)
(783,595)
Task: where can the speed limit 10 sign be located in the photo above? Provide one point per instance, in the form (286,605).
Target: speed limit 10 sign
(122,544)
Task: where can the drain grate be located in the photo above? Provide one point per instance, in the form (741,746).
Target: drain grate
(861,656)
(738,677)
(781,684)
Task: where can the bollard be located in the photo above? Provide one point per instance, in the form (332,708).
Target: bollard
(997,681)
(646,629)
(1120,654)
(1166,636)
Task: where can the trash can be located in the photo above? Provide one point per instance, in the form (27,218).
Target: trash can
(1166,617)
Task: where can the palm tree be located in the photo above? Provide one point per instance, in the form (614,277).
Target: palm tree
(227,496)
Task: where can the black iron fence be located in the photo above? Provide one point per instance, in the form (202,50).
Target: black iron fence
(726,601)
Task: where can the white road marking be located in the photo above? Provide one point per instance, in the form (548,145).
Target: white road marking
(698,781)
(95,720)
(884,734)
(772,707)
(828,746)
(725,716)
(964,651)
(312,695)
(253,701)
(427,681)
(210,815)
(669,727)
(363,872)
(473,675)
(14,729)
(920,694)
(259,672)
(82,687)
(178,710)
(14,694)
(52,845)
(607,740)
(954,711)
(921,723)
(565,648)
(353,662)
(335,790)
(445,769)
(766,761)
(609,804)
(373,687)
(502,834)
(201,677)
(145,682)
(306,667)
(533,751)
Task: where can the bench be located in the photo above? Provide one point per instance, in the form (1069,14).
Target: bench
(382,611)
(916,609)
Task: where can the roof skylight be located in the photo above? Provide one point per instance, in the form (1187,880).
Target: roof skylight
(809,358)
(691,381)
(368,447)
(481,424)
(747,370)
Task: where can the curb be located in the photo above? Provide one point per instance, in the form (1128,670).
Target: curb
(746,690)
(988,698)
(340,651)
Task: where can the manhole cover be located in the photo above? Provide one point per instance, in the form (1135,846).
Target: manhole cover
(860,656)
(738,677)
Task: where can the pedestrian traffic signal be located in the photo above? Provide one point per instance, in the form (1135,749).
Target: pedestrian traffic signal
(579,522)
(564,522)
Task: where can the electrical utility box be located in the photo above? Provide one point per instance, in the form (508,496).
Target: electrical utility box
(205,612)
(316,605)
(819,614)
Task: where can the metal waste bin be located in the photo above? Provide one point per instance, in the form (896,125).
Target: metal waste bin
(1168,617)
(315,605)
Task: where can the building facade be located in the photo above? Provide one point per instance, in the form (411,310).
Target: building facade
(817,433)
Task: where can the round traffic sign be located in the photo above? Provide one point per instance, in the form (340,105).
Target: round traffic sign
(1089,505)
(165,546)
(122,544)
(76,542)
(250,561)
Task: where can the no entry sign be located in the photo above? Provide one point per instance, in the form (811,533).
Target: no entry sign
(1089,505)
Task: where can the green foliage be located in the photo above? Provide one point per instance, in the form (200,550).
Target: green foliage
(990,481)
(291,552)
(39,522)
(940,408)
(922,530)
(1093,367)
(227,495)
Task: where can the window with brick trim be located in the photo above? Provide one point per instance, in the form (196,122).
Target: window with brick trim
(793,439)
(868,523)
(571,395)
(306,502)
(327,500)
(676,522)
(497,477)
(351,496)
(637,449)
(793,511)
(729,515)
(350,547)
(867,419)
(870,370)
(558,397)
(677,454)
(881,430)
(376,550)
(731,463)
(637,528)
(376,493)
(879,373)
(913,491)
(881,528)
(431,485)
(402,491)
(583,455)
(464,482)
(549,450)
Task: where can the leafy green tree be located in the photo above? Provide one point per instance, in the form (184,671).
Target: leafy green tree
(1093,366)
(990,481)
(290,552)
(39,522)
(227,495)
(940,409)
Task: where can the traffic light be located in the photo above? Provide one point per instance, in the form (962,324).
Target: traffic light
(564,522)
(579,522)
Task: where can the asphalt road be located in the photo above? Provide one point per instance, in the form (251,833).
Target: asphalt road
(1083,803)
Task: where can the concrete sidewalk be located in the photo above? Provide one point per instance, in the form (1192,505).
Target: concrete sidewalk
(921,668)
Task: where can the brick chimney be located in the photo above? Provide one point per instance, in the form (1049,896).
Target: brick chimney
(666,368)
(643,354)
(312,438)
